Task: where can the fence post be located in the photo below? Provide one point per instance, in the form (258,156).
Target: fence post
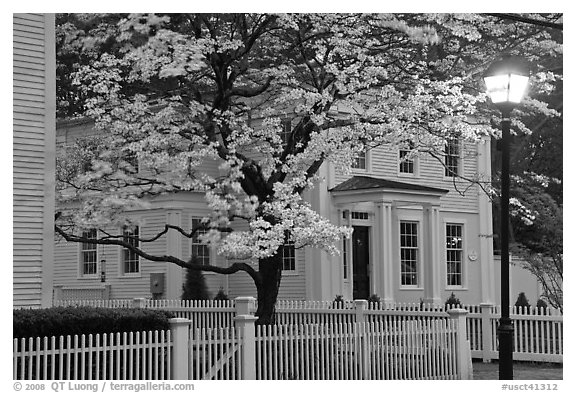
(360,306)
(180,331)
(486,313)
(360,327)
(463,355)
(245,321)
(138,302)
(244,305)
(58,294)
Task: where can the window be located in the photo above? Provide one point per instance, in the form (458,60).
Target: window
(359,216)
(286,131)
(88,254)
(200,250)
(409,253)
(130,260)
(406,164)
(132,159)
(454,253)
(452,157)
(289,256)
(360,161)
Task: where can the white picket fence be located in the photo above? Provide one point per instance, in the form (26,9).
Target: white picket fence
(538,333)
(395,349)
(133,355)
(358,351)
(435,349)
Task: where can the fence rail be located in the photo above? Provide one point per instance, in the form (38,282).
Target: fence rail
(538,334)
(417,349)
(134,355)
(358,351)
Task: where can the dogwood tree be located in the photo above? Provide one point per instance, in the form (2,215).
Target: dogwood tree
(178,92)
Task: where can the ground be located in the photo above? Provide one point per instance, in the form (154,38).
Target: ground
(522,371)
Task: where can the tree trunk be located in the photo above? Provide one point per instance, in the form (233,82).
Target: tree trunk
(271,273)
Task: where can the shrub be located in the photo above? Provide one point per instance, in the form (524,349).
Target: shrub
(221,295)
(375,300)
(521,302)
(541,307)
(541,303)
(338,301)
(452,302)
(62,321)
(194,287)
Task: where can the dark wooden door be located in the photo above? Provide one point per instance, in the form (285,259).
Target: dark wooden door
(360,261)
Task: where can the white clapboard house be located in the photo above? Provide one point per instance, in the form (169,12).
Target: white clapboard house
(419,235)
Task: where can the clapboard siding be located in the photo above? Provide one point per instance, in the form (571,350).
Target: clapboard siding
(33,131)
(293,286)
(67,262)
(384,164)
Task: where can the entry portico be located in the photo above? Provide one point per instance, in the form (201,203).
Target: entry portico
(377,207)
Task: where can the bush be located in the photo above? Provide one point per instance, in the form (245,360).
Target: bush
(522,301)
(541,304)
(541,307)
(221,295)
(452,302)
(338,301)
(194,287)
(62,321)
(375,300)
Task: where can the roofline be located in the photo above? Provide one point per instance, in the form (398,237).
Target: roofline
(73,121)
(438,192)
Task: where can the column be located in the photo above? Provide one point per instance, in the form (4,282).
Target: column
(319,268)
(463,355)
(384,224)
(180,331)
(431,254)
(174,273)
(244,321)
(486,256)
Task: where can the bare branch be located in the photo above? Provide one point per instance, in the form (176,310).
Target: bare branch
(235,267)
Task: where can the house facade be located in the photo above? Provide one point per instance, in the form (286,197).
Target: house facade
(33,141)
(420,234)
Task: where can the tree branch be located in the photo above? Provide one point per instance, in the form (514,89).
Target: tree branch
(235,267)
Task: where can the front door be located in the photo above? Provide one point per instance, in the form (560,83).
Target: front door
(360,260)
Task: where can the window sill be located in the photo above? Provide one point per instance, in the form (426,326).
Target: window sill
(456,289)
(411,289)
(289,273)
(89,277)
(130,275)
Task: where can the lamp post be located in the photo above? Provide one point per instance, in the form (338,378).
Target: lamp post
(506,81)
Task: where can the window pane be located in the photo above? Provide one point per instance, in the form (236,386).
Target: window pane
(454,254)
(89,254)
(289,256)
(406,165)
(409,253)
(130,260)
(200,250)
(452,157)
(360,162)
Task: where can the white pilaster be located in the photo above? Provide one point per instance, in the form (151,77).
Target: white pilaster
(486,252)
(320,276)
(384,225)
(431,256)
(174,273)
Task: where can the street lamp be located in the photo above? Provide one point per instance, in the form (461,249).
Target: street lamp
(506,82)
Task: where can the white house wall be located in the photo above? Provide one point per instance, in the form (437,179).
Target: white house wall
(319,276)
(67,262)
(34,108)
